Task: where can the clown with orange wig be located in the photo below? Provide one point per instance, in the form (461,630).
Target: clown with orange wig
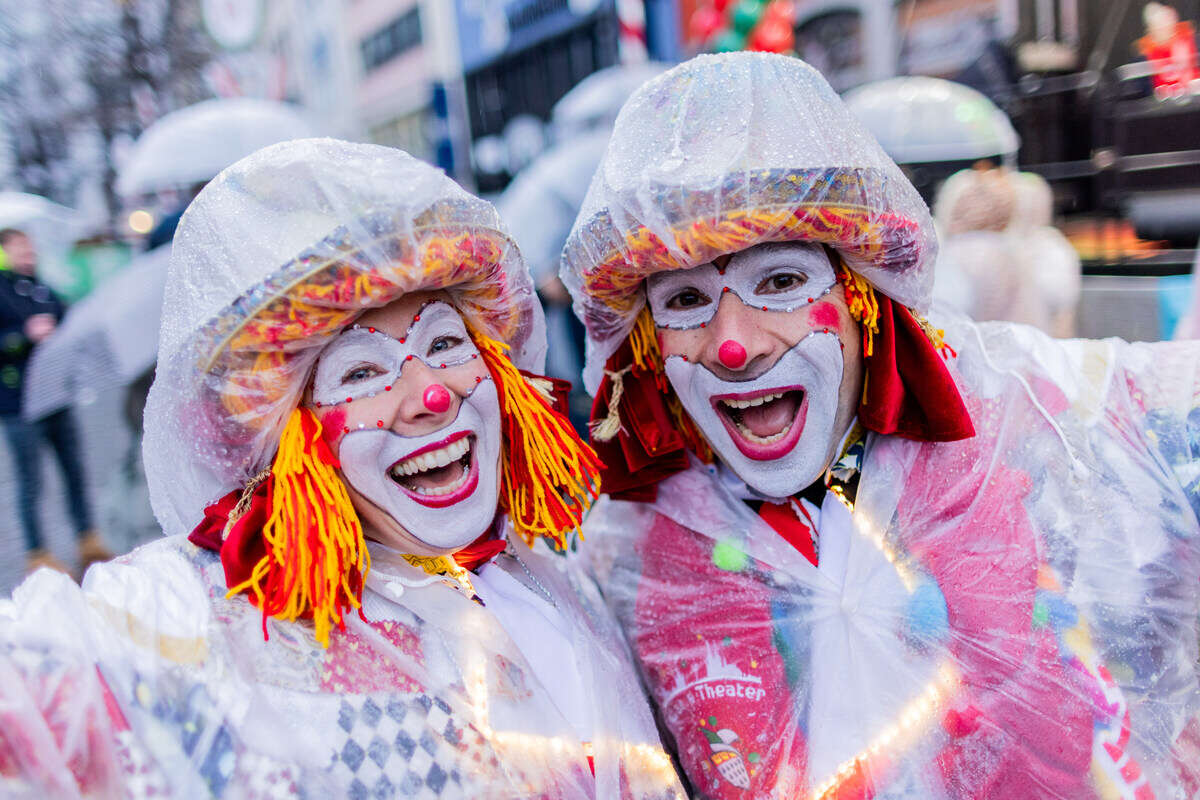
(363,489)
(858,555)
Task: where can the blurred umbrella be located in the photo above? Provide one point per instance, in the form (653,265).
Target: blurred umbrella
(540,205)
(918,119)
(53,229)
(595,101)
(193,144)
(106,340)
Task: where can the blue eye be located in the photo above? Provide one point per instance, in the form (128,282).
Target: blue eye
(361,373)
(444,343)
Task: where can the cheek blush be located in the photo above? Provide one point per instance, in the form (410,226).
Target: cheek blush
(333,423)
(824,315)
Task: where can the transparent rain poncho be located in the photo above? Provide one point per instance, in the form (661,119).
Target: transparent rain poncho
(782,159)
(150,681)
(1010,616)
(276,255)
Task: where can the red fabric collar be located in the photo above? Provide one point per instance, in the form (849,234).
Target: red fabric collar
(909,392)
(244,547)
(480,551)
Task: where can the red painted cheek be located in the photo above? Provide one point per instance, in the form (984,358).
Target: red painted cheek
(333,423)
(824,315)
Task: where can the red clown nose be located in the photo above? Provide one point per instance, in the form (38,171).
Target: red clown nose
(436,397)
(732,354)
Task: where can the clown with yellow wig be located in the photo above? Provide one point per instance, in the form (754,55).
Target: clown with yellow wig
(858,555)
(362,487)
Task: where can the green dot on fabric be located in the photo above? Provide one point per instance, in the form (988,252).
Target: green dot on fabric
(727,555)
(728,640)
(1040,614)
(753,758)
(712,721)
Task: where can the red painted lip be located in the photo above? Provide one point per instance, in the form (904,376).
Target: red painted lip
(454,437)
(764,452)
(444,500)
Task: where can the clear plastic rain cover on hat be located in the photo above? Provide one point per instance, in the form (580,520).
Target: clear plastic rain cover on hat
(1011,616)
(275,256)
(725,152)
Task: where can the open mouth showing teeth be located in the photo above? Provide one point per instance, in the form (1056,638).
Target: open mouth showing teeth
(766,425)
(438,477)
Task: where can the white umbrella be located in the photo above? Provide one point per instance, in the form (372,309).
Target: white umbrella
(541,203)
(51,227)
(918,120)
(595,100)
(106,340)
(193,144)
(539,207)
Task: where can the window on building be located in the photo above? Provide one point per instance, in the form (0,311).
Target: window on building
(401,34)
(530,12)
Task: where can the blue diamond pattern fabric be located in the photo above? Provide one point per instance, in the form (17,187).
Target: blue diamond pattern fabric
(404,746)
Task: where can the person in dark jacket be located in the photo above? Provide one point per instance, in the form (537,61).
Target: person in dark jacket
(29,313)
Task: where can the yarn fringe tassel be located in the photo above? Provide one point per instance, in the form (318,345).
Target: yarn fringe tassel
(549,476)
(863,305)
(316,557)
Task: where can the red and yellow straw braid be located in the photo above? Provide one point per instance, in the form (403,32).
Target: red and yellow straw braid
(316,557)
(549,476)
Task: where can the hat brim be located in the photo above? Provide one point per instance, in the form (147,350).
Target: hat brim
(838,207)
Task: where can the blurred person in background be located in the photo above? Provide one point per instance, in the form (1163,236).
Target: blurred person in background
(29,313)
(1000,257)
(366,605)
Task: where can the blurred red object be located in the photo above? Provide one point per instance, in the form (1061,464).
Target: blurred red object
(705,22)
(774,33)
(781,10)
(1170,46)
(773,36)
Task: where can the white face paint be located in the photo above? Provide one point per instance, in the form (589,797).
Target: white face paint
(797,397)
(362,362)
(442,486)
(778,278)
(776,430)
(382,466)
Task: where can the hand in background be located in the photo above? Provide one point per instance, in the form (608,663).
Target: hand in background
(39,326)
